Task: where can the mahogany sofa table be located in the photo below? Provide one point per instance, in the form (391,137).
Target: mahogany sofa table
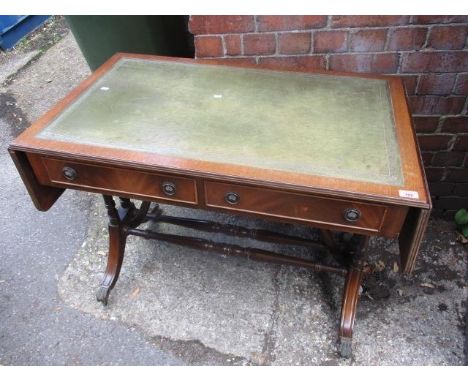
(335,151)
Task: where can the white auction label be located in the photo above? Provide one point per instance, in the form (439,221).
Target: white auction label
(408,194)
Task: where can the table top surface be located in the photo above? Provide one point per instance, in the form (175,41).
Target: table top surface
(313,124)
(301,124)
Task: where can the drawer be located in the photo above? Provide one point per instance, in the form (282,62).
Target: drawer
(324,211)
(114,180)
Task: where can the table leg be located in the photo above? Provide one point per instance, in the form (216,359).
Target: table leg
(351,294)
(117,239)
(115,257)
(120,221)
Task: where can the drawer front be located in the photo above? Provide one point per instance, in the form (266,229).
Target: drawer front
(117,180)
(323,211)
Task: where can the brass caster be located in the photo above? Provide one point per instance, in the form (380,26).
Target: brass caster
(102,294)
(345,347)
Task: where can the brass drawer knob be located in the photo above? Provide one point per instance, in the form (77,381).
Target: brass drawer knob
(352,214)
(169,188)
(232,198)
(69,173)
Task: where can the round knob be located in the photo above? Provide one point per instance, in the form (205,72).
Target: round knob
(232,198)
(352,214)
(69,173)
(169,188)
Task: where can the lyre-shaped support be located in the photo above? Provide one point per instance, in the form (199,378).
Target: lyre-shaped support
(356,250)
(119,220)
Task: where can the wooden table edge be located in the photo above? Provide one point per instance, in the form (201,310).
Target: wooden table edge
(306,189)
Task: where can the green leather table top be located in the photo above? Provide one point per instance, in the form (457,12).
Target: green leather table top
(316,124)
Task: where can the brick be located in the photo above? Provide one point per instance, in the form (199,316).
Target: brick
(434,142)
(294,62)
(452,203)
(430,105)
(208,46)
(425,124)
(368,21)
(326,42)
(286,23)
(371,40)
(221,24)
(233,45)
(457,175)
(407,39)
(447,37)
(384,63)
(455,125)
(259,44)
(461,84)
(443,214)
(294,43)
(436,213)
(410,83)
(461,143)
(438,84)
(460,189)
(439,19)
(434,174)
(448,158)
(434,62)
(375,63)
(427,158)
(441,188)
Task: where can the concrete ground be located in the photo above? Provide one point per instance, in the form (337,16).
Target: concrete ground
(174,306)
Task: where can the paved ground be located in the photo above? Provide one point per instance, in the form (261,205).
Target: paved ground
(178,306)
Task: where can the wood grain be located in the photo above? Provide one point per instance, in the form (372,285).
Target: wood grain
(109,180)
(320,211)
(411,237)
(43,197)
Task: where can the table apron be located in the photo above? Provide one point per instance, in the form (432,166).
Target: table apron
(339,214)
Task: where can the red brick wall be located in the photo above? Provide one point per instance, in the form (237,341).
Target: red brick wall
(429,52)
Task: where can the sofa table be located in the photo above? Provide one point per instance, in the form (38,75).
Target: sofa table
(335,151)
